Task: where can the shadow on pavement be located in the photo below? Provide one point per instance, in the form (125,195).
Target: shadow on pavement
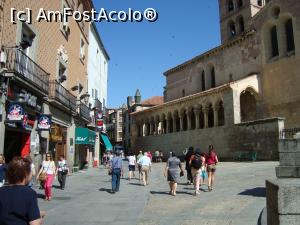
(256,192)
(167,193)
(137,184)
(41,196)
(108,190)
(56,186)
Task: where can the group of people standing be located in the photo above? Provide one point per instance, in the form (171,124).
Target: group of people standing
(198,165)
(142,161)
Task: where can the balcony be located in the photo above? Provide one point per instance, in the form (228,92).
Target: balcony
(60,94)
(84,111)
(20,64)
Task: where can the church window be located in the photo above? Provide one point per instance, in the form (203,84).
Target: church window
(290,42)
(213,77)
(274,41)
(203,80)
(241,24)
(240,3)
(230,6)
(232,30)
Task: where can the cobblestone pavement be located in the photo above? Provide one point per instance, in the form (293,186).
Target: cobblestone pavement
(237,199)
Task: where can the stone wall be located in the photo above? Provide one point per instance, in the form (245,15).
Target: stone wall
(259,136)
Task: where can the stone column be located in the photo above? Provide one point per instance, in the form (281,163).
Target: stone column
(189,120)
(206,117)
(216,118)
(162,126)
(197,116)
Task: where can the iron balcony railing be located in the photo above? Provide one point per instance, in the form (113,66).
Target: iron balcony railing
(62,95)
(84,111)
(289,133)
(24,67)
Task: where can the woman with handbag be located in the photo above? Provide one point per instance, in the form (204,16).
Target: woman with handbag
(47,173)
(62,171)
(174,171)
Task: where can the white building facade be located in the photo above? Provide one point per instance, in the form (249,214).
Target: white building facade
(97,69)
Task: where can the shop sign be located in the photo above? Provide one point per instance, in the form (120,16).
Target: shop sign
(44,122)
(15,113)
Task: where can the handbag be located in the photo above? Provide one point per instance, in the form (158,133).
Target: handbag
(43,175)
(181,173)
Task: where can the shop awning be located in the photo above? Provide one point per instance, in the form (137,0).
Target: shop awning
(107,143)
(84,136)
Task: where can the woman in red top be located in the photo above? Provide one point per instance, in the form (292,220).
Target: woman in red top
(211,162)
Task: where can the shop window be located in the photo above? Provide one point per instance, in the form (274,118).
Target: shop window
(203,80)
(230,6)
(290,42)
(274,42)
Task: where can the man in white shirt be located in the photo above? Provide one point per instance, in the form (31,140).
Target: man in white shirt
(145,163)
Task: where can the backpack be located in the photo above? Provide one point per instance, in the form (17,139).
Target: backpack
(196,162)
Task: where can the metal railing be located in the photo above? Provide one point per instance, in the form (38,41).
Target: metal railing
(23,66)
(62,95)
(84,111)
(289,133)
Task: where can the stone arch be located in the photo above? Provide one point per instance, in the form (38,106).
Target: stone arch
(270,40)
(287,23)
(248,105)
(152,122)
(170,122)
(157,123)
(176,121)
(221,113)
(192,118)
(183,113)
(201,118)
(241,23)
(163,123)
(210,115)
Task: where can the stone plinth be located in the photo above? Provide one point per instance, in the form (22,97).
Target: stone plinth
(283,201)
(289,158)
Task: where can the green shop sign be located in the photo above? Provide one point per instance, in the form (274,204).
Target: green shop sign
(84,136)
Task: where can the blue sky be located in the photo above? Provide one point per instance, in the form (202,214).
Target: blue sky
(141,52)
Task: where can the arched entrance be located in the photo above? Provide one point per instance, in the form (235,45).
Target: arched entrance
(248,106)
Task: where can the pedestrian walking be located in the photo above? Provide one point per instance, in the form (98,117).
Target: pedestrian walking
(189,154)
(145,163)
(196,164)
(116,168)
(32,170)
(140,155)
(203,173)
(211,161)
(47,173)
(62,172)
(18,202)
(131,165)
(3,168)
(173,171)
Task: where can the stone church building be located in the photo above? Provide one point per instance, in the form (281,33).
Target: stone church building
(237,96)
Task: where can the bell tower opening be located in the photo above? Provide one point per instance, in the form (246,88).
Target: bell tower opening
(235,16)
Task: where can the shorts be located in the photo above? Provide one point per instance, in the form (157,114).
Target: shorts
(131,167)
(211,168)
